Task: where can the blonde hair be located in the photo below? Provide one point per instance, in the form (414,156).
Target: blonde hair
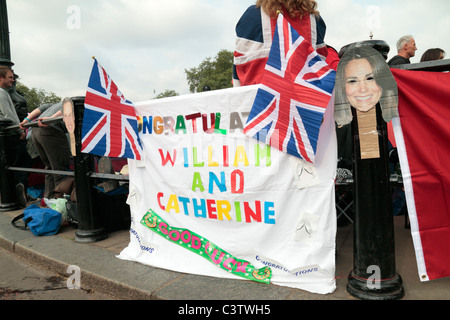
(293,7)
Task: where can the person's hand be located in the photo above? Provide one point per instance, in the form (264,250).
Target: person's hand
(25,121)
(23,135)
(22,123)
(40,124)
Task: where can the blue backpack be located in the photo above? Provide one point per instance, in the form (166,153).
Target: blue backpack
(41,221)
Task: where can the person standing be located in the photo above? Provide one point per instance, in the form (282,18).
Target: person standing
(406,49)
(19,155)
(255,29)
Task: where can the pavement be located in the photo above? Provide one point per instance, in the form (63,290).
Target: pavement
(101,270)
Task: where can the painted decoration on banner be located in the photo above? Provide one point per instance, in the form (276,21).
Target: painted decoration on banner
(295,90)
(203,247)
(210,200)
(110,126)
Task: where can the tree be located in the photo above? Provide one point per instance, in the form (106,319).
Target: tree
(215,74)
(36,97)
(167,93)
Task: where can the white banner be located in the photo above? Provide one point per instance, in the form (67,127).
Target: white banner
(208,200)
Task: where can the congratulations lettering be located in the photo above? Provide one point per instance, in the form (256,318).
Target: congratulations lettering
(191,123)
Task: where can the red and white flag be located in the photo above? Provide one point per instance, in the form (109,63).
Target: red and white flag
(422,134)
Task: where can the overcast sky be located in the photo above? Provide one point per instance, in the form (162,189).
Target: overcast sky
(145,45)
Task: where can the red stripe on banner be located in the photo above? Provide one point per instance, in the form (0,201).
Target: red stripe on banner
(425,116)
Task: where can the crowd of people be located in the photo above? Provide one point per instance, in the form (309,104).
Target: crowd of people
(406,49)
(48,142)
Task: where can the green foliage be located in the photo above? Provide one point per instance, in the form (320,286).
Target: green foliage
(167,93)
(216,74)
(36,97)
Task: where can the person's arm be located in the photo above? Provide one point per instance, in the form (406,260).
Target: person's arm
(33,115)
(56,114)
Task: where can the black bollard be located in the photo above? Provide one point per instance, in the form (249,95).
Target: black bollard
(89,229)
(8,198)
(374,275)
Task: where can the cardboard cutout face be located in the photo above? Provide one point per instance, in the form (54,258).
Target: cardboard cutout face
(361,88)
(69,121)
(364,79)
(68,116)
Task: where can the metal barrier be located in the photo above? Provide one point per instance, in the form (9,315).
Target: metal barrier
(89,226)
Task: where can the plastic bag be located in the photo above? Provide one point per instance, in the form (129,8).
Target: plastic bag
(59,205)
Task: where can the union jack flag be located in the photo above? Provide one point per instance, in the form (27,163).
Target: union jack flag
(110,126)
(293,95)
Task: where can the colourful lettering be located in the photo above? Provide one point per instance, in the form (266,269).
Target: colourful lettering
(206,249)
(246,212)
(211,163)
(158,125)
(197,182)
(168,157)
(219,183)
(180,125)
(241,156)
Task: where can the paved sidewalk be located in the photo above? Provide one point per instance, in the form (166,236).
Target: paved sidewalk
(102,270)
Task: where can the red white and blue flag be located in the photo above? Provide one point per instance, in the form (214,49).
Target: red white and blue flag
(110,126)
(293,95)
